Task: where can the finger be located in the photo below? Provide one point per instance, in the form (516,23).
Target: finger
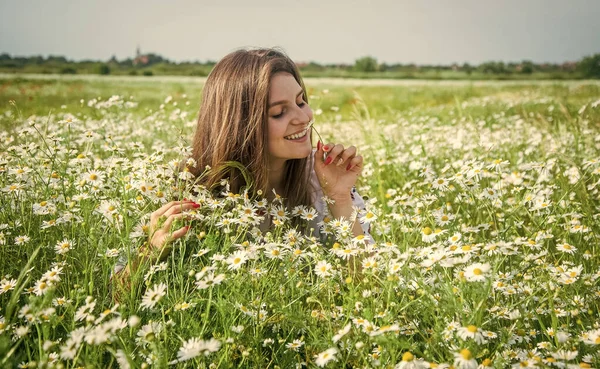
(348,154)
(355,164)
(319,154)
(325,151)
(180,232)
(333,153)
(171,219)
(180,208)
(163,209)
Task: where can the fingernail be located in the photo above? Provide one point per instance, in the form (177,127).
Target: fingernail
(329,159)
(319,145)
(194,205)
(325,148)
(348,167)
(185,199)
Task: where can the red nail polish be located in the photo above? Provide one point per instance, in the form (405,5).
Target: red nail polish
(348,167)
(325,148)
(185,199)
(319,145)
(329,159)
(195,206)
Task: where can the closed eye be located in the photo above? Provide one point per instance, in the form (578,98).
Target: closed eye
(283,111)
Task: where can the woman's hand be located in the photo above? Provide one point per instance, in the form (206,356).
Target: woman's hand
(338,170)
(160,233)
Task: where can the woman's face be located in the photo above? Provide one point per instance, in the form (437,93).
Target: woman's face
(289,115)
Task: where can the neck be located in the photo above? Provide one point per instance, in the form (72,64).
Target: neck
(276,180)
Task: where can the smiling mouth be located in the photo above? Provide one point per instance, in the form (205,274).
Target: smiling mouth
(298,135)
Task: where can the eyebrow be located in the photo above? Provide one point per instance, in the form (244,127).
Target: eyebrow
(284,101)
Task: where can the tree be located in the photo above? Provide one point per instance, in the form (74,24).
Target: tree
(526,67)
(103,69)
(467,68)
(365,64)
(589,67)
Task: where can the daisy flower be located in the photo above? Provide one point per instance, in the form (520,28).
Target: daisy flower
(148,332)
(62,247)
(41,287)
(410,362)
(591,337)
(455,238)
(477,272)
(566,248)
(153,296)
(93,177)
(190,349)
(295,345)
(7,285)
(85,311)
(236,260)
(427,235)
(21,240)
(210,280)
(309,214)
(471,332)
(323,269)
(464,360)
(342,332)
(367,217)
(325,357)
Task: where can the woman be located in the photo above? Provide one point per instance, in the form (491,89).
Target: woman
(255,112)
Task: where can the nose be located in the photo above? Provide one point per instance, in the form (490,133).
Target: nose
(303,115)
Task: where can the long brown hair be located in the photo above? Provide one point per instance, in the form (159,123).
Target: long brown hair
(232,125)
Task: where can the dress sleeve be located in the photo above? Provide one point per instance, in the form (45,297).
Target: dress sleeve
(359,203)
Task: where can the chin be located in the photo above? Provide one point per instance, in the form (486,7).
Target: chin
(306,152)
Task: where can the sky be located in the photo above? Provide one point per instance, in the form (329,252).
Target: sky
(336,31)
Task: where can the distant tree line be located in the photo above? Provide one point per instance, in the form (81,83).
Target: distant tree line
(365,67)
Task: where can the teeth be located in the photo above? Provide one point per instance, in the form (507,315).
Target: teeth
(297,135)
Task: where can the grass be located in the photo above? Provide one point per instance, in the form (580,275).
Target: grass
(483,200)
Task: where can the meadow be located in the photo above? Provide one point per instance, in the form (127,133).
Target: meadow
(483,201)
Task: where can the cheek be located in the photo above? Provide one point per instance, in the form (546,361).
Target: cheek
(275,135)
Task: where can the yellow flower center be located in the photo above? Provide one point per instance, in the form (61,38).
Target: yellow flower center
(407,356)
(477,271)
(427,231)
(466,354)
(472,328)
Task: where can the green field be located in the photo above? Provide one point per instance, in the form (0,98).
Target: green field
(483,200)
